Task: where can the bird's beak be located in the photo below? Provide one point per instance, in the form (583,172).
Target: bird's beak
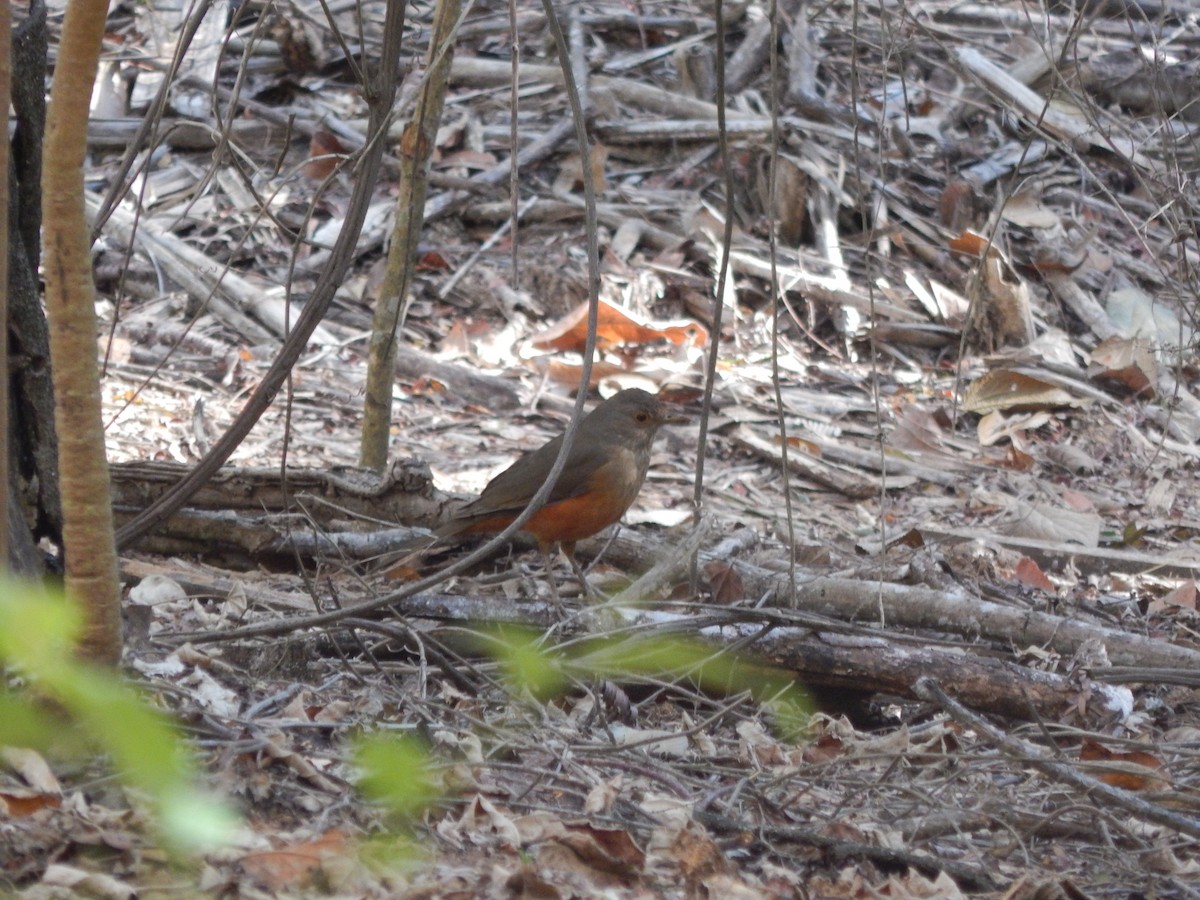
(673,418)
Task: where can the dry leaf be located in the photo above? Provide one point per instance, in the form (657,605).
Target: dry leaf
(651,740)
(1006,389)
(1076,500)
(696,854)
(1031,575)
(601,798)
(32,767)
(970,243)
(825,748)
(1071,458)
(1025,209)
(917,429)
(16,803)
(1043,522)
(294,865)
(325,153)
(959,204)
(995,426)
(625,241)
(570,173)
(607,849)
(1000,308)
(1133,771)
(1127,362)
(1182,597)
(724,582)
(568,373)
(467,159)
(616,327)
(1018,460)
(156,589)
(481,822)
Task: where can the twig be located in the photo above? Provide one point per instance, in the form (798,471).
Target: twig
(1031,755)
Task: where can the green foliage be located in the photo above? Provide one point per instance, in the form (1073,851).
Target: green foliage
(69,706)
(398,774)
(545,672)
(395,772)
(527,664)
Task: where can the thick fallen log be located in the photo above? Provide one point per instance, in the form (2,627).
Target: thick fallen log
(340,511)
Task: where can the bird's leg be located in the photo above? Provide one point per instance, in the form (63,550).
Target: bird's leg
(568,549)
(548,559)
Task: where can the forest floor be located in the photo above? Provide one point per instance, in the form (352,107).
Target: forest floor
(980,365)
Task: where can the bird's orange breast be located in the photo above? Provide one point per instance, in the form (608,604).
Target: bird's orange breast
(609,492)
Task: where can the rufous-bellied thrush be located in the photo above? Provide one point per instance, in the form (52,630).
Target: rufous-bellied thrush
(604,472)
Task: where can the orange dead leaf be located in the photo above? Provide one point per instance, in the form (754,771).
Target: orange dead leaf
(1031,575)
(696,854)
(432,261)
(958,203)
(425,386)
(1046,264)
(970,243)
(809,447)
(911,538)
(1139,771)
(325,151)
(615,327)
(296,865)
(570,174)
(402,573)
(16,804)
(680,394)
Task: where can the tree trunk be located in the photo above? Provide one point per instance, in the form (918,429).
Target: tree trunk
(34,509)
(89,546)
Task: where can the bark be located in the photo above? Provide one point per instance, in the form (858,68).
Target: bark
(35,510)
(416,151)
(5,89)
(90,550)
(252,513)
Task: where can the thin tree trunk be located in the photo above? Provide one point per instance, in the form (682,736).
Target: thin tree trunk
(89,547)
(416,149)
(5,87)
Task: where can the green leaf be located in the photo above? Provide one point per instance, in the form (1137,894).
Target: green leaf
(395,772)
(78,705)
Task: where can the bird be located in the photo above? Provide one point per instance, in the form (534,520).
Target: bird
(604,472)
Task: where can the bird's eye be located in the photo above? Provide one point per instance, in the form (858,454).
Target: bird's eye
(643,417)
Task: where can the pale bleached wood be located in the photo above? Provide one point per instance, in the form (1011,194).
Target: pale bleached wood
(946,612)
(1040,113)
(244,306)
